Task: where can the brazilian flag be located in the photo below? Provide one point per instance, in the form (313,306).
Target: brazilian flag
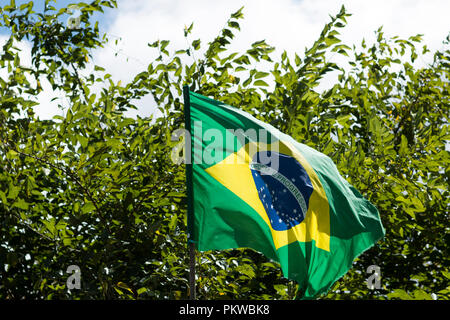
(249,185)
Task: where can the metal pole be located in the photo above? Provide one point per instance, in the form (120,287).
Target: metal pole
(190,193)
(192,271)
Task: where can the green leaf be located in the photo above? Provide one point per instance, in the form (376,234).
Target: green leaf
(124,286)
(343,118)
(88,207)
(329,41)
(21,204)
(259,75)
(141,291)
(173,222)
(12,154)
(13,191)
(98,68)
(401,294)
(260,83)
(421,295)
(403,146)
(164,44)
(188,30)
(3,197)
(281,289)
(298,61)
(238,14)
(234,24)
(196,44)
(8,56)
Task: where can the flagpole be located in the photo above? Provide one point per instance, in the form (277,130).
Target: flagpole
(190,191)
(192,294)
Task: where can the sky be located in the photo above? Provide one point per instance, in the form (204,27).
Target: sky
(289,25)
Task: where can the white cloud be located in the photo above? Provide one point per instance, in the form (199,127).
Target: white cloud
(46,108)
(286,24)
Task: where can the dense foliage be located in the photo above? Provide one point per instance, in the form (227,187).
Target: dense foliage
(98,189)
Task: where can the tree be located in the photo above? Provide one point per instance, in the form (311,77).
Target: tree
(98,189)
